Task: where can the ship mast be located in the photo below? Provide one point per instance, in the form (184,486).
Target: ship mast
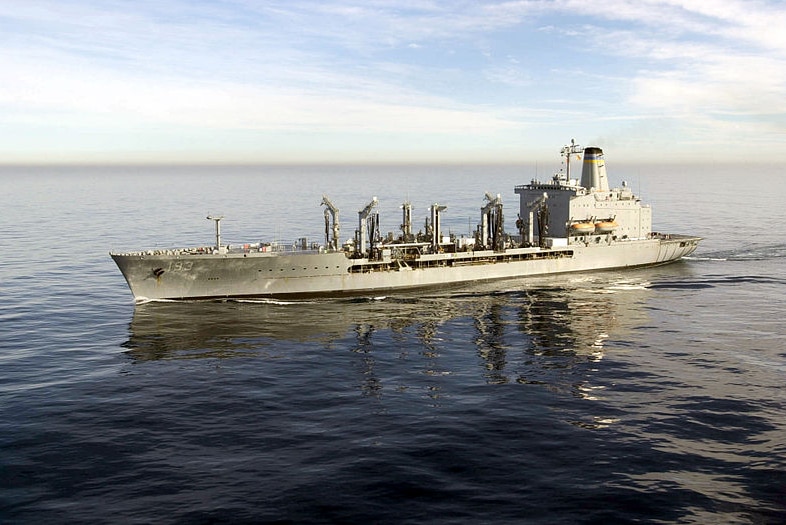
(567,151)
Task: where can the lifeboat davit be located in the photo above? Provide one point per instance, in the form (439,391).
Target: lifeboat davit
(605,226)
(582,228)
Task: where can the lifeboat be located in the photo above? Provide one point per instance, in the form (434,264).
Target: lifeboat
(582,228)
(605,226)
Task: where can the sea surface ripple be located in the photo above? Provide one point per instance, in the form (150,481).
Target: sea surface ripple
(647,396)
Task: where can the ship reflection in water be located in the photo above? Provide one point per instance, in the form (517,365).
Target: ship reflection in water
(525,333)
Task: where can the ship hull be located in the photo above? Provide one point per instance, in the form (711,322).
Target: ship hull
(186,276)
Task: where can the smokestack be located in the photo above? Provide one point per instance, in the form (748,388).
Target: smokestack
(593,173)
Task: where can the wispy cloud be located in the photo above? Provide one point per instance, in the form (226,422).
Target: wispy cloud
(433,75)
(718,69)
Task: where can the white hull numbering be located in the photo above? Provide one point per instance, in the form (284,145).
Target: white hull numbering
(564,225)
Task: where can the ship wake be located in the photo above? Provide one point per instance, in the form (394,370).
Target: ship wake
(745,253)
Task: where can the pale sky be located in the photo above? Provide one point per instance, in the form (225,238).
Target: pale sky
(390,80)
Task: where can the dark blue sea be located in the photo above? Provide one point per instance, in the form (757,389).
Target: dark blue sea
(646,396)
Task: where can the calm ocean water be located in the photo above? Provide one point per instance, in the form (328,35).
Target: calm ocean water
(649,396)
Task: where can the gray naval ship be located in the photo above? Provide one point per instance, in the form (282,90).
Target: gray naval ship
(564,225)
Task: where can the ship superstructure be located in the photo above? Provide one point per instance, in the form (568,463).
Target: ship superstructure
(575,209)
(564,225)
